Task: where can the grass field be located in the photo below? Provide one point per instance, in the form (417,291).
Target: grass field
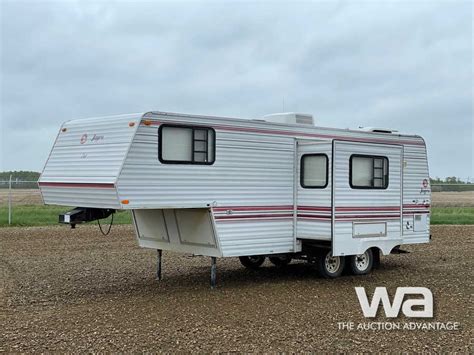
(452,215)
(28,209)
(38,215)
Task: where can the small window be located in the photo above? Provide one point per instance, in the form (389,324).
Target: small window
(368,172)
(314,171)
(186,144)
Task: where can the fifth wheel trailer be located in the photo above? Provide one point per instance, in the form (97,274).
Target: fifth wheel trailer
(277,187)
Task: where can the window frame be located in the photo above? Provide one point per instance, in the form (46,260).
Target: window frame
(185,162)
(302,171)
(387,182)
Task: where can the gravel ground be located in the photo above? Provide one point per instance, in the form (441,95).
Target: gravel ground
(77,291)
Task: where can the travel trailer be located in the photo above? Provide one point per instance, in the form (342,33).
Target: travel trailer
(278,187)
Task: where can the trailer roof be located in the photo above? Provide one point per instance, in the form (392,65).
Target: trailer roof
(259,122)
(262,121)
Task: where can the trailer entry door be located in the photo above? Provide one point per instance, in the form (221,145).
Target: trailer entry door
(314,190)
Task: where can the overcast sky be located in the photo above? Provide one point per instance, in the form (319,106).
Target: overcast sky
(404,65)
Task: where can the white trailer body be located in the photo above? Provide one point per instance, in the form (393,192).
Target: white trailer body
(227,187)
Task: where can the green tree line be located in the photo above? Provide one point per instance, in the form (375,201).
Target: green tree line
(19,176)
(448,180)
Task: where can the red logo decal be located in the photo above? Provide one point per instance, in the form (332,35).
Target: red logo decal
(84,138)
(425,183)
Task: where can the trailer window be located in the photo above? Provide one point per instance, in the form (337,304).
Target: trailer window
(314,171)
(186,144)
(368,172)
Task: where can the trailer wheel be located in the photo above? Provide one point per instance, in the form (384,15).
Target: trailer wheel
(361,264)
(252,262)
(330,266)
(280,261)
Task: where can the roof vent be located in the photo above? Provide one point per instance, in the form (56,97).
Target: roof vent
(378,130)
(290,118)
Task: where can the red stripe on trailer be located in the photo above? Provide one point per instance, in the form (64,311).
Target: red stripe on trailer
(313,216)
(314,219)
(369,216)
(270,216)
(291,133)
(416,206)
(77,184)
(242,220)
(253,208)
(274,216)
(311,208)
(306,208)
(369,219)
(288,216)
(350,209)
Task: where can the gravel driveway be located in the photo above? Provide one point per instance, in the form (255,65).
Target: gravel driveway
(75,290)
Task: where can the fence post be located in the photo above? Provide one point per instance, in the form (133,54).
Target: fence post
(10,201)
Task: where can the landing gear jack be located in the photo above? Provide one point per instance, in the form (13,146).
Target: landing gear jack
(158,264)
(213,272)
(159,254)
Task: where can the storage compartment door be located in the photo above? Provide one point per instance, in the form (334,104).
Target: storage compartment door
(180,230)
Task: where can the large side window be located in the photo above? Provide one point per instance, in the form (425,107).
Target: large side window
(314,171)
(368,172)
(186,144)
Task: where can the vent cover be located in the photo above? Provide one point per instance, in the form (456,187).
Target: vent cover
(378,130)
(290,118)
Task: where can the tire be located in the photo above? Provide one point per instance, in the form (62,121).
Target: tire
(361,264)
(252,262)
(330,266)
(280,261)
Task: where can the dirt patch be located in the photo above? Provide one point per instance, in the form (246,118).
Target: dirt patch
(75,290)
(21,197)
(453,199)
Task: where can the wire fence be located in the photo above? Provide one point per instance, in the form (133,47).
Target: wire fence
(17,193)
(14,192)
(19,184)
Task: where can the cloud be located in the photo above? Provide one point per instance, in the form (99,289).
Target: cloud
(406,65)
